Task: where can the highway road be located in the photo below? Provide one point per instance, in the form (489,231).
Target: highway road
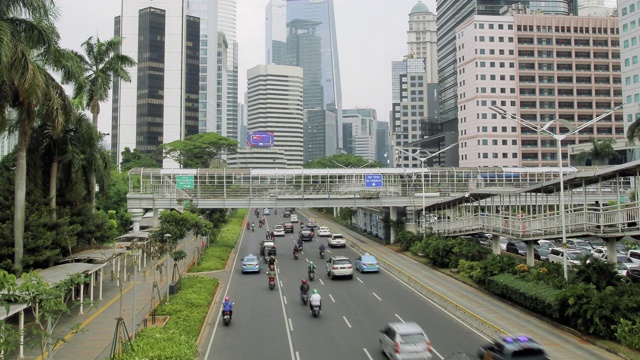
(274,324)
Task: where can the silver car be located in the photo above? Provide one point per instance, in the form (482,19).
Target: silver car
(405,340)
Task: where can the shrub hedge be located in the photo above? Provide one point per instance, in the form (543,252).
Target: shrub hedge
(216,255)
(176,340)
(538,297)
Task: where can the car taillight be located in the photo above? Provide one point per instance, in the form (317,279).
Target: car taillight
(397,348)
(348,266)
(334,267)
(428,346)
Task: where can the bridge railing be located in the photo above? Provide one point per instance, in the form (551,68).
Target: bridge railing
(583,219)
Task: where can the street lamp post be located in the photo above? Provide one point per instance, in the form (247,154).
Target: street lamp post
(167,240)
(558,137)
(422,160)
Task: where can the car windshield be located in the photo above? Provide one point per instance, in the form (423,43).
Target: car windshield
(574,255)
(625,259)
(581,243)
(412,339)
(342,262)
(543,250)
(521,246)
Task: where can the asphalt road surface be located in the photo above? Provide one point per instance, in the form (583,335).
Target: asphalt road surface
(274,324)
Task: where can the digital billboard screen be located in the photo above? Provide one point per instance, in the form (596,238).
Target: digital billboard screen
(260,139)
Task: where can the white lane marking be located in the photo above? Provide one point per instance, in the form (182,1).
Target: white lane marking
(347,321)
(329,251)
(437,353)
(306,259)
(278,270)
(399,318)
(284,298)
(284,316)
(281,283)
(297,355)
(430,301)
(290,325)
(378,297)
(226,291)
(321,282)
(331,298)
(359,280)
(367,353)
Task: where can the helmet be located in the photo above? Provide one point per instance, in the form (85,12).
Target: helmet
(315,291)
(310,262)
(226,298)
(304,281)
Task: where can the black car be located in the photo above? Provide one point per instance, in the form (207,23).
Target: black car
(306,235)
(287,213)
(288,227)
(267,247)
(517,247)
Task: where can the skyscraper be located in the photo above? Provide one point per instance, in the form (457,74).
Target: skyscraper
(227,23)
(274,104)
(160,104)
(302,33)
(362,126)
(451,14)
(629,12)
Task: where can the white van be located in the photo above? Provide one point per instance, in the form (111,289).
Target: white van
(557,256)
(635,256)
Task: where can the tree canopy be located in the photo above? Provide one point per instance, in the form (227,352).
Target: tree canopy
(342,161)
(136,159)
(199,150)
(601,151)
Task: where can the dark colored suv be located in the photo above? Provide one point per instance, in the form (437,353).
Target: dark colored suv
(306,235)
(286,213)
(288,227)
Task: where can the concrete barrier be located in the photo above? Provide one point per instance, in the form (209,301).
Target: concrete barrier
(466,316)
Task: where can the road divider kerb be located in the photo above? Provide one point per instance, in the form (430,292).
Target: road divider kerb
(461,313)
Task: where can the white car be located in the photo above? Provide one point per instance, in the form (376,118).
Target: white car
(324,231)
(336,240)
(339,266)
(278,230)
(294,218)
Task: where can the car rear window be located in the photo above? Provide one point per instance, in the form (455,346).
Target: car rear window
(532,354)
(337,236)
(342,262)
(250,259)
(412,339)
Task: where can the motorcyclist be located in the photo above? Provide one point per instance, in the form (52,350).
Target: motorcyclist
(304,287)
(311,268)
(227,305)
(271,275)
(272,262)
(300,244)
(315,299)
(322,248)
(296,248)
(276,211)
(253,226)
(248,224)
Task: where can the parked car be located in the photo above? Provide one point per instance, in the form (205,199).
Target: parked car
(367,263)
(635,256)
(579,243)
(324,231)
(622,248)
(266,211)
(305,235)
(339,266)
(250,263)
(294,218)
(557,256)
(633,274)
(278,230)
(598,253)
(541,253)
(511,348)
(405,340)
(547,243)
(288,227)
(503,242)
(595,242)
(337,240)
(267,248)
(517,247)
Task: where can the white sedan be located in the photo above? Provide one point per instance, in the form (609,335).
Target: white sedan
(294,218)
(324,231)
(278,230)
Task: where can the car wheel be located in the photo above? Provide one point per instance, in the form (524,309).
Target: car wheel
(331,276)
(351,277)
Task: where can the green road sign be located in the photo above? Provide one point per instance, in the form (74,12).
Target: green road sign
(184,181)
(186,203)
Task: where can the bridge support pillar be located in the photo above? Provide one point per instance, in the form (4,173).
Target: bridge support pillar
(530,254)
(495,244)
(136,217)
(156,217)
(611,249)
(393,216)
(336,212)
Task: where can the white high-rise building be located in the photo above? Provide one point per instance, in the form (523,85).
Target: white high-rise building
(422,40)
(160,104)
(227,23)
(360,132)
(629,20)
(274,104)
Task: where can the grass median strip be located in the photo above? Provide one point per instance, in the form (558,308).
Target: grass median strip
(215,256)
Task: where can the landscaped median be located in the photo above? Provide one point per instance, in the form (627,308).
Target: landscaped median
(215,257)
(177,338)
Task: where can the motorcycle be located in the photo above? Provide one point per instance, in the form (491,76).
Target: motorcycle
(304,297)
(226,318)
(321,254)
(276,211)
(312,275)
(260,224)
(315,310)
(272,283)
(295,254)
(248,226)
(253,228)
(301,223)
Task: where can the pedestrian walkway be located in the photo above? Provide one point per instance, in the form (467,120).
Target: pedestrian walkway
(98,324)
(484,312)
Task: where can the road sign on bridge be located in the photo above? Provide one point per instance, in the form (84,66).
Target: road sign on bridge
(184,181)
(373,180)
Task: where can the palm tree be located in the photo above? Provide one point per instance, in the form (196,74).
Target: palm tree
(601,151)
(28,48)
(633,131)
(101,62)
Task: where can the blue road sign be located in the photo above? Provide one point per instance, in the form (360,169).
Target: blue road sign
(373,180)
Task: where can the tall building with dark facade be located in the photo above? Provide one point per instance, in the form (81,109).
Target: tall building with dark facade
(302,33)
(450,15)
(160,104)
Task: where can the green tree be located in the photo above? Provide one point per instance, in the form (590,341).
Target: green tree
(28,50)
(114,201)
(199,150)
(101,62)
(633,131)
(600,151)
(342,161)
(136,159)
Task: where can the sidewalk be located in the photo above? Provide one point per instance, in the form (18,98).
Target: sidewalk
(98,324)
(485,313)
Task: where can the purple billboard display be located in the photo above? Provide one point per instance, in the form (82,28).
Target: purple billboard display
(260,139)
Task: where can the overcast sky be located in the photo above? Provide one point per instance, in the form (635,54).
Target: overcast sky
(371,34)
